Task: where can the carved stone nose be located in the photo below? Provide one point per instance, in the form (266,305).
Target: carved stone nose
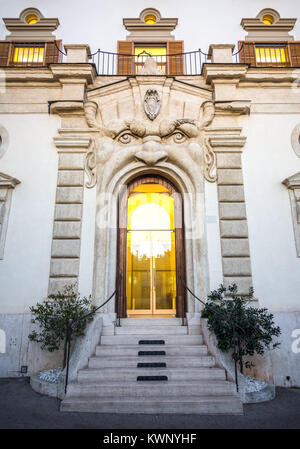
(151,152)
(151,146)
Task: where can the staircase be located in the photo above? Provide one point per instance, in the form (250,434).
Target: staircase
(152,365)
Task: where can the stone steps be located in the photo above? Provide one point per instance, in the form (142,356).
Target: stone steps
(153,330)
(151,389)
(221,405)
(168,339)
(133,350)
(145,322)
(190,381)
(132,361)
(130,374)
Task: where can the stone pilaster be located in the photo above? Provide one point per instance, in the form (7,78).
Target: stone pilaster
(65,252)
(228,145)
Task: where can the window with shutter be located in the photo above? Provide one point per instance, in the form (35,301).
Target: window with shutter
(125,58)
(168,57)
(270,54)
(175,58)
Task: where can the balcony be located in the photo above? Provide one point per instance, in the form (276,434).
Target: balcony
(254,54)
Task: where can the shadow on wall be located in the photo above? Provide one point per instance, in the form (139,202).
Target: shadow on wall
(2,342)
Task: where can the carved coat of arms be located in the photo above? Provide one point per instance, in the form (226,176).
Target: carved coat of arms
(152,103)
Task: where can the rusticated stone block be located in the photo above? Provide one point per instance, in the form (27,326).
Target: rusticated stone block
(243,283)
(64,267)
(68,212)
(230,176)
(70,178)
(67,230)
(73,161)
(233,228)
(232,211)
(69,195)
(231,193)
(58,284)
(66,248)
(236,266)
(230,160)
(235,247)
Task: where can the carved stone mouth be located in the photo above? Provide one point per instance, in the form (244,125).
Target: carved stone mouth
(151,158)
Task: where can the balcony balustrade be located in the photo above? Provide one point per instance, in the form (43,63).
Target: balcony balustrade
(255,54)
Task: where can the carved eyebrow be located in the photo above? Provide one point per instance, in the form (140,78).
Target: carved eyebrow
(135,127)
(187,126)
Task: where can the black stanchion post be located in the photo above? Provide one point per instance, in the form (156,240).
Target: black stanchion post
(69,338)
(235,361)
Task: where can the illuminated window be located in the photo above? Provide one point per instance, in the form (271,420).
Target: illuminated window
(268,19)
(158,52)
(31,19)
(276,55)
(150,19)
(28,54)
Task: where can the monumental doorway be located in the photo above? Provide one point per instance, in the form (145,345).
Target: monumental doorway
(151,250)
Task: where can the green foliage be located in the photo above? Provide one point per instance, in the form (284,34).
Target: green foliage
(231,318)
(55,314)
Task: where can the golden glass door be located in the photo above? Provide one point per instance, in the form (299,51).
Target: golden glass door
(151,262)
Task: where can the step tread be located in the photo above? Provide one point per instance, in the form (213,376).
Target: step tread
(179,383)
(135,369)
(204,398)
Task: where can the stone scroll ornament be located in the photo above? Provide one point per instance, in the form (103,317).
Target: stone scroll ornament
(210,162)
(90,167)
(152,103)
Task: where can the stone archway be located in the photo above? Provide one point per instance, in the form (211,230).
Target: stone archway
(152,273)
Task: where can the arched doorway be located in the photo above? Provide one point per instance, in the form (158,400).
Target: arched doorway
(151,250)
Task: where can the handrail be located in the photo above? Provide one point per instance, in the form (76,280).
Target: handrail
(184,63)
(232,322)
(63,53)
(69,329)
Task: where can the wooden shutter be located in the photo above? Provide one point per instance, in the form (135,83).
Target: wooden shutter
(4,53)
(125,58)
(52,54)
(247,53)
(294,50)
(175,59)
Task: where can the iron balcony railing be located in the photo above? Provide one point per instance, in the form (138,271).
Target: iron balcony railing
(189,63)
(255,54)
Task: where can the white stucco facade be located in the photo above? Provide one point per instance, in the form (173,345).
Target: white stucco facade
(232,165)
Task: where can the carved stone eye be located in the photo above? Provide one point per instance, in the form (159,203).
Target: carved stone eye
(179,137)
(125,138)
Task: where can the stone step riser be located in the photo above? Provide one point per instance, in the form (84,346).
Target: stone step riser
(177,340)
(143,322)
(148,389)
(153,330)
(195,350)
(131,374)
(218,408)
(101,362)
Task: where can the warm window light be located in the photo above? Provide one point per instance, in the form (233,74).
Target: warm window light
(158,52)
(150,19)
(270,55)
(31,19)
(268,19)
(28,54)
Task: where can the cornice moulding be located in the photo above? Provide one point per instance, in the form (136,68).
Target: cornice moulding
(223,71)
(67,107)
(71,143)
(293,182)
(7,181)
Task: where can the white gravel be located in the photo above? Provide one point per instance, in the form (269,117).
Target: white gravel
(252,384)
(51,375)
